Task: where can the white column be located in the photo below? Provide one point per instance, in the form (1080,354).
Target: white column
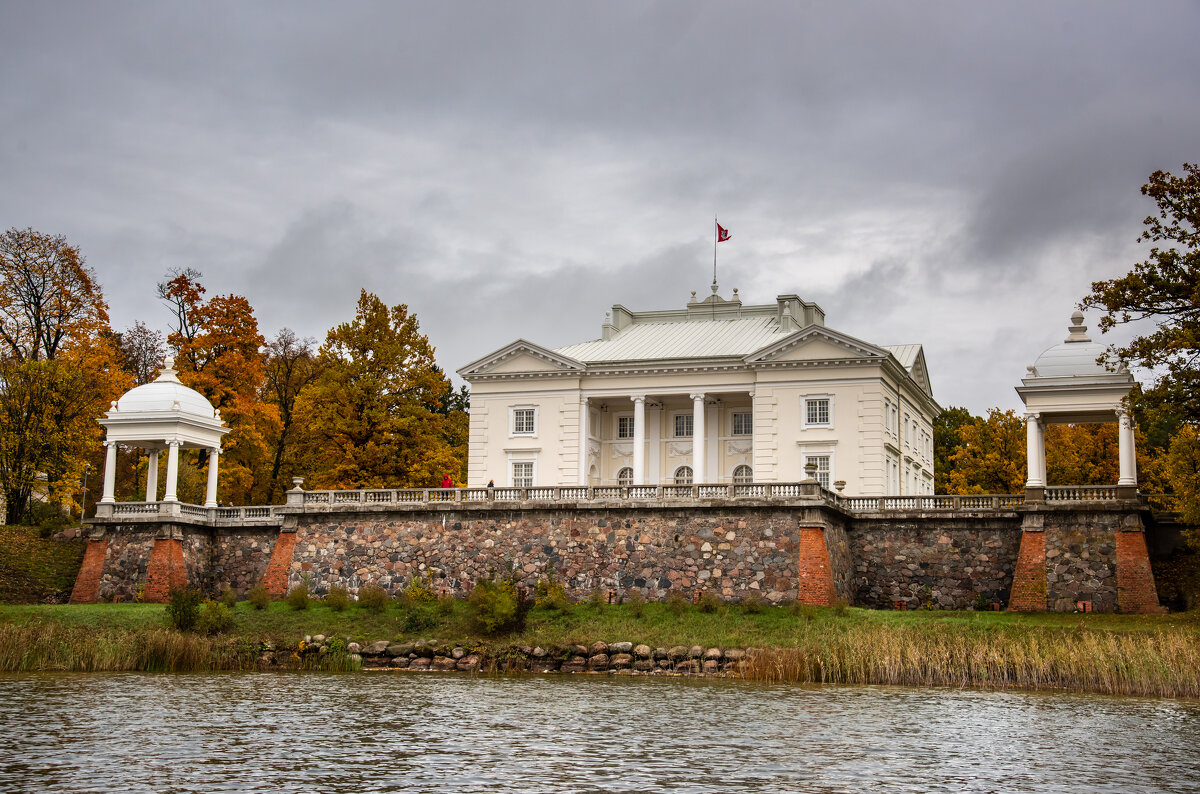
(172,471)
(654,436)
(639,439)
(1034,451)
(583,440)
(152,476)
(110,472)
(214,455)
(753,445)
(698,438)
(1128,454)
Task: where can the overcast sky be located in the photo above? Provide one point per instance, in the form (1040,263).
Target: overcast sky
(952,174)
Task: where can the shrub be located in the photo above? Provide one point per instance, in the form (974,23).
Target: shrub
(805,611)
(840,606)
(446,604)
(981,603)
(550,594)
(597,600)
(496,606)
(419,590)
(337,598)
(753,604)
(677,603)
(373,597)
(215,618)
(417,618)
(259,597)
(228,596)
(297,597)
(637,603)
(708,603)
(184,609)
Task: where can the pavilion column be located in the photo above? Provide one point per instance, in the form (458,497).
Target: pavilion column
(1127,452)
(1035,451)
(583,440)
(698,438)
(110,473)
(172,471)
(639,439)
(152,476)
(210,499)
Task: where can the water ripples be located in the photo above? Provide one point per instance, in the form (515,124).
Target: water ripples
(432,732)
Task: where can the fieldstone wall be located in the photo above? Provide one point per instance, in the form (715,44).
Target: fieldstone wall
(240,557)
(933,560)
(732,553)
(1081,560)
(130,547)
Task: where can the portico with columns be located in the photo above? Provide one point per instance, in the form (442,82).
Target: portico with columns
(163,415)
(1068,385)
(717,392)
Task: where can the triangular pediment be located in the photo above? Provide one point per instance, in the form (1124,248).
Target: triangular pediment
(816,343)
(521,358)
(920,373)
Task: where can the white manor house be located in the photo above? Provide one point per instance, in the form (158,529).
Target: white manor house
(717,392)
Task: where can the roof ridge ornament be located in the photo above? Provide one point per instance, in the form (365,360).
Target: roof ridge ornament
(168,374)
(1077,328)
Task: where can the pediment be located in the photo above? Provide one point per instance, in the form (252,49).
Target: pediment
(816,343)
(521,358)
(920,373)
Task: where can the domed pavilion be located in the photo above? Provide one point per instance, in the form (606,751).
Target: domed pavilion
(162,414)
(1068,385)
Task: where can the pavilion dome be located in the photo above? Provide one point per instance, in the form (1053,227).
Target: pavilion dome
(1076,356)
(165,394)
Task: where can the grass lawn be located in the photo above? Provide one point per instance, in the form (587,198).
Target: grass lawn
(34,569)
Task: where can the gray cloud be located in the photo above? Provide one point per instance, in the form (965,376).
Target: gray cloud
(945,173)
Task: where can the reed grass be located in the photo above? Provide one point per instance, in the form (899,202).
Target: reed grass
(1163,664)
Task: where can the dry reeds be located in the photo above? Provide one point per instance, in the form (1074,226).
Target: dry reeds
(1165,664)
(52,646)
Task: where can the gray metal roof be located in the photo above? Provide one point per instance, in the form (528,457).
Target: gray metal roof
(905,354)
(685,339)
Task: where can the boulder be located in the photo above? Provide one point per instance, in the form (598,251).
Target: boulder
(734,654)
(620,660)
(599,648)
(643,665)
(621,647)
(643,652)
(468,663)
(712,654)
(543,666)
(378,648)
(420,663)
(696,652)
(354,647)
(578,650)
(598,661)
(442,663)
(711,666)
(399,662)
(678,653)
(399,649)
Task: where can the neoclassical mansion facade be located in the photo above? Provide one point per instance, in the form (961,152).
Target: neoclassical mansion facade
(717,392)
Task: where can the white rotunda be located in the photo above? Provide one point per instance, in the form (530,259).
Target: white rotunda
(162,414)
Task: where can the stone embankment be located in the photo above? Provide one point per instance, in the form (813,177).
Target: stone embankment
(599,657)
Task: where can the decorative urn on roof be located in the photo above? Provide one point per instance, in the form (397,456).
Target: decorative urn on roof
(162,414)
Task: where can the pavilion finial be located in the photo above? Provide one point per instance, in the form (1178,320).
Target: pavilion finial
(1078,329)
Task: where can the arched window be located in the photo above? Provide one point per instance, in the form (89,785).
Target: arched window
(625,476)
(743,474)
(683,475)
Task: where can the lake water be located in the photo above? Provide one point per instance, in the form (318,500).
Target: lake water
(451,733)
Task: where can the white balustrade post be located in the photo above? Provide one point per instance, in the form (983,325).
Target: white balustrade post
(697,438)
(152,476)
(110,473)
(639,439)
(172,471)
(583,440)
(1127,452)
(210,499)
(1034,450)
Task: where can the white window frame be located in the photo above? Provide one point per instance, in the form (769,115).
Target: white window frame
(804,401)
(819,450)
(516,456)
(617,427)
(674,423)
(733,475)
(733,423)
(622,471)
(691,477)
(512,421)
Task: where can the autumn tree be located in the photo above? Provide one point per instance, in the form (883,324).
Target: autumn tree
(991,456)
(219,355)
(143,350)
(947,438)
(372,418)
(291,365)
(59,367)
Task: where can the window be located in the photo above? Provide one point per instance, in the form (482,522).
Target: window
(743,474)
(818,412)
(822,462)
(683,475)
(624,427)
(522,475)
(889,422)
(625,476)
(743,424)
(524,421)
(683,426)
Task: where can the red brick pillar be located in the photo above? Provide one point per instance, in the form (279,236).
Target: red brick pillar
(1029,579)
(816,575)
(87,582)
(1135,580)
(166,572)
(275,578)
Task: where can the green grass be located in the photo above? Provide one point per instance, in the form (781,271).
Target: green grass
(34,569)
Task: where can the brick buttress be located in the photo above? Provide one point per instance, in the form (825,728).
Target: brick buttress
(816,575)
(166,572)
(87,583)
(275,578)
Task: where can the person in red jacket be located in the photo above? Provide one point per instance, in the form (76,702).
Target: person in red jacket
(447,482)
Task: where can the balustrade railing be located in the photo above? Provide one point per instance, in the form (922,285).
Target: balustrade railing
(1080,493)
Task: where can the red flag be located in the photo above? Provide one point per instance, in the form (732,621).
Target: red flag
(722,233)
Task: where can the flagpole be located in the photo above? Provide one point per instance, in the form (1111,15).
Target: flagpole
(715,233)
